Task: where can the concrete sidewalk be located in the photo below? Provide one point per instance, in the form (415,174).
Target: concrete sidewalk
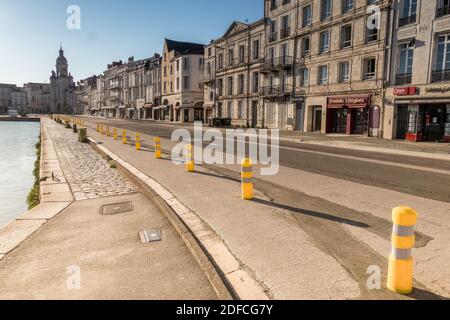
(66,238)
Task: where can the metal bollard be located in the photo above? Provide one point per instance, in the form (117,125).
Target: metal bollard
(124,136)
(115,133)
(158,152)
(247,179)
(190,164)
(138,142)
(401,263)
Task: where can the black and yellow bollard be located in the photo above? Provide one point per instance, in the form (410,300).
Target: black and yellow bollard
(158,152)
(190,164)
(138,142)
(401,263)
(124,136)
(115,134)
(247,179)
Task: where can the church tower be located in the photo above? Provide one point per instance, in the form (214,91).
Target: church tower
(62,68)
(62,87)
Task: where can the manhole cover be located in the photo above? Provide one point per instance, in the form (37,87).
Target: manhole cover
(148,236)
(116,208)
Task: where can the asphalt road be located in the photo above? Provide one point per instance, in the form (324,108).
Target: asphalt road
(428,178)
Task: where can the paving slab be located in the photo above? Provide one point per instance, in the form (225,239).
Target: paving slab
(16,232)
(45,211)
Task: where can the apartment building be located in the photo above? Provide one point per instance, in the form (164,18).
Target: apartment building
(19,100)
(233,77)
(112,101)
(284,104)
(418,98)
(152,78)
(38,97)
(182,93)
(5,97)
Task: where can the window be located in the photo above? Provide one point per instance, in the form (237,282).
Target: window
(285,30)
(186,63)
(255,82)
(443,8)
(165,86)
(165,71)
(220,62)
(230,86)
(442,65)
(408,12)
(307,16)
(326,9)
(369,69)
(186,82)
(306,46)
(273,4)
(372,1)
(371,34)
(178,83)
(209,52)
(344,71)
(178,65)
(405,64)
(346,36)
(230,57)
(324,42)
(241,54)
(241,114)
(230,109)
(273,31)
(304,77)
(256,49)
(241,84)
(323,75)
(347,6)
(201,63)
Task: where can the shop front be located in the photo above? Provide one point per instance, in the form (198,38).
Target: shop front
(348,115)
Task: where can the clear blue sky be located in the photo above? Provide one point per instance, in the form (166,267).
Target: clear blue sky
(32,30)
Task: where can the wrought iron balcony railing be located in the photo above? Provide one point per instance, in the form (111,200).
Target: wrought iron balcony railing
(279,63)
(402,79)
(440,75)
(407,20)
(442,11)
(276,90)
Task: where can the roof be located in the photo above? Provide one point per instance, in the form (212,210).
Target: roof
(185,47)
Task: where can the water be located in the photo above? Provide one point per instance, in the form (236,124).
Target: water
(17,156)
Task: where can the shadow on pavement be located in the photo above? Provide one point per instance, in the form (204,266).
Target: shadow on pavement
(314,214)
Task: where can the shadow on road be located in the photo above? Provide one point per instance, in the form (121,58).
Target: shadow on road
(314,214)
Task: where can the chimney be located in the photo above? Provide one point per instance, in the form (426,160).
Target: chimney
(131,59)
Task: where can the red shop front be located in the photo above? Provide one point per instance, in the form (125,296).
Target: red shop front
(348,115)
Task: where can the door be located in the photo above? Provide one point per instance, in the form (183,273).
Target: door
(402,121)
(317,119)
(299,117)
(254,114)
(435,117)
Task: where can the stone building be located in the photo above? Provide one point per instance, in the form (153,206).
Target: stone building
(112,101)
(152,78)
(62,87)
(5,97)
(418,98)
(19,100)
(38,97)
(232,75)
(182,93)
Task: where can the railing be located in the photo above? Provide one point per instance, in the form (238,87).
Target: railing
(401,79)
(276,90)
(207,77)
(285,32)
(273,36)
(442,11)
(277,63)
(440,75)
(407,20)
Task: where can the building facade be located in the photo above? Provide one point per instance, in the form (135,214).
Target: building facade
(418,98)
(182,92)
(232,76)
(38,97)
(62,87)
(19,101)
(5,97)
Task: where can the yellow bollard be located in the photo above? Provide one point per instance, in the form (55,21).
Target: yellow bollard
(108,132)
(124,136)
(190,164)
(247,179)
(138,142)
(98,127)
(401,263)
(115,133)
(158,152)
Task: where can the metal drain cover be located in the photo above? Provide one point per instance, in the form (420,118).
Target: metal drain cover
(152,235)
(116,208)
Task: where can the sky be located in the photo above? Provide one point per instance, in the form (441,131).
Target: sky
(31,32)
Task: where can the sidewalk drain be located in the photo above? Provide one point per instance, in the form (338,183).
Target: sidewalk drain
(116,208)
(149,236)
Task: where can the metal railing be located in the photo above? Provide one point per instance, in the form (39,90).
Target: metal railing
(440,75)
(285,32)
(276,90)
(273,36)
(442,11)
(277,63)
(401,79)
(407,20)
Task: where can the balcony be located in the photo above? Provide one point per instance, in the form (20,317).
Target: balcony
(273,36)
(440,75)
(276,64)
(285,33)
(207,77)
(275,91)
(407,20)
(402,79)
(442,11)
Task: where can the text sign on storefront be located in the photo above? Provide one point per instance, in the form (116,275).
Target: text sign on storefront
(405,91)
(351,102)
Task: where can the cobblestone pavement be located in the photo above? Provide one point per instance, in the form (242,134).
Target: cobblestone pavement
(88,174)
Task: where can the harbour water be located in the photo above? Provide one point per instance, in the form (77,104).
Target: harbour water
(17,157)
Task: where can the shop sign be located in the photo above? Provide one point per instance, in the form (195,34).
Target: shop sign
(437,89)
(405,91)
(350,101)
